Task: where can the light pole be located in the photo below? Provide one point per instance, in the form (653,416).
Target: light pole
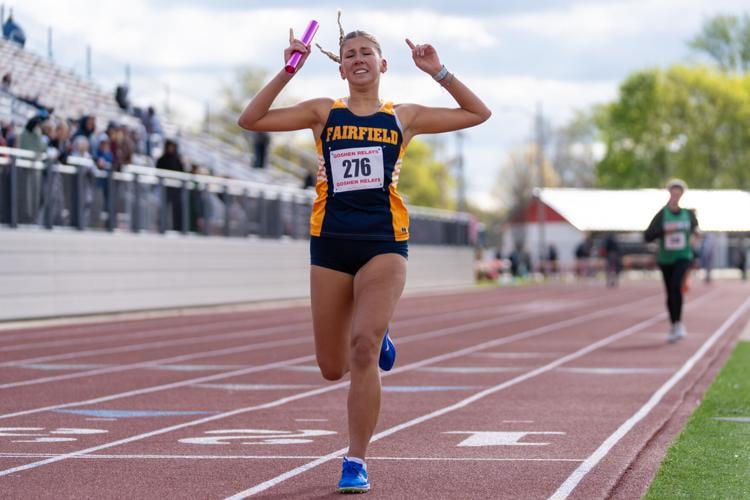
(541,212)
(460,171)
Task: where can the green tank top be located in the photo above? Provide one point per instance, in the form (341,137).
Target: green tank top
(675,244)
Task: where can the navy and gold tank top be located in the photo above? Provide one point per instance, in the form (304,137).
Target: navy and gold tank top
(359,163)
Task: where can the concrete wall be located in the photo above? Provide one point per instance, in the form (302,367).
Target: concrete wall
(62,273)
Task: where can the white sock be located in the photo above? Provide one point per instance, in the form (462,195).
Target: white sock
(357,461)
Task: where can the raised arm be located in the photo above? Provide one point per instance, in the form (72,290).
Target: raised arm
(258,115)
(418,119)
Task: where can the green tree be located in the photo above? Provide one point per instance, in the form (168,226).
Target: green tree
(683,122)
(424,180)
(726,40)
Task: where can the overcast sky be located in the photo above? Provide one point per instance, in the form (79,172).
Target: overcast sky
(566,55)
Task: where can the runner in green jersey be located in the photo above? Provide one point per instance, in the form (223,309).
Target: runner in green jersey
(674,227)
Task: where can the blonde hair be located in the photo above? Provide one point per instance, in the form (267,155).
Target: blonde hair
(343,38)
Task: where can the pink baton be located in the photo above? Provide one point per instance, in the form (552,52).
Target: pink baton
(291,64)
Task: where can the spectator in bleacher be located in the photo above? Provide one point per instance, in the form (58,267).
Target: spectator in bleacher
(59,141)
(8,134)
(310,179)
(31,138)
(260,145)
(7,82)
(13,32)
(171,160)
(152,125)
(59,148)
(103,156)
(86,128)
(196,201)
(81,147)
(122,146)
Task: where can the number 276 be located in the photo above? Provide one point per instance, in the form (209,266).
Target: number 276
(361,167)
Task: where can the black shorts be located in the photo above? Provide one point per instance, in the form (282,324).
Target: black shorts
(348,256)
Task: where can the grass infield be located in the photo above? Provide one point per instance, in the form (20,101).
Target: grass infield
(711,458)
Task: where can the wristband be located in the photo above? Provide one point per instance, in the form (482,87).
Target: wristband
(440,75)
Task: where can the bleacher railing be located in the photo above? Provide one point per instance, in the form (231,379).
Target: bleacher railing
(36,190)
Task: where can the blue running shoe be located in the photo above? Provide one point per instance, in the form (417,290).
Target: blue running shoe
(387,353)
(353,478)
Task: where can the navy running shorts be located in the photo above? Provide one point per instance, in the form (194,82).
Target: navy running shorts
(348,256)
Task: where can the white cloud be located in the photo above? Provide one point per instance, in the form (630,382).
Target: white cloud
(607,22)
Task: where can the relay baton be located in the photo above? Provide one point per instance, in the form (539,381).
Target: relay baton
(291,64)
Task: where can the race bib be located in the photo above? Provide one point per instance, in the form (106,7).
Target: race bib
(675,241)
(357,168)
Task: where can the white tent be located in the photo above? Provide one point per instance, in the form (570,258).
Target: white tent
(632,210)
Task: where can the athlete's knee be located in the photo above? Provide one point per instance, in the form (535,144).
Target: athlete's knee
(332,372)
(365,350)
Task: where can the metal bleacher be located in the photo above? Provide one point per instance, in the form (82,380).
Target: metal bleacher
(72,96)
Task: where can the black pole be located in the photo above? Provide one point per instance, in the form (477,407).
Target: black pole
(13,193)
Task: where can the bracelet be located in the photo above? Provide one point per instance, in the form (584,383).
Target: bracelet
(446,82)
(440,74)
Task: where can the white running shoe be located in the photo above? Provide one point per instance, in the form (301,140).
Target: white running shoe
(676,332)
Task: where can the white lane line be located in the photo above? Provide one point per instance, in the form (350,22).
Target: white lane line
(208,339)
(93,328)
(152,332)
(234,350)
(279,402)
(255,387)
(614,371)
(567,487)
(472,370)
(519,355)
(150,364)
(62,367)
(197,368)
(97,456)
(459,405)
(163,387)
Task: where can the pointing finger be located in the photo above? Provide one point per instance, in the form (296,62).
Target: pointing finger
(410,44)
(291,35)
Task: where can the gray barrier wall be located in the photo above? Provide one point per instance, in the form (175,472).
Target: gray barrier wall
(65,272)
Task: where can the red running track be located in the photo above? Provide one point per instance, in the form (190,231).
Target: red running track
(556,391)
